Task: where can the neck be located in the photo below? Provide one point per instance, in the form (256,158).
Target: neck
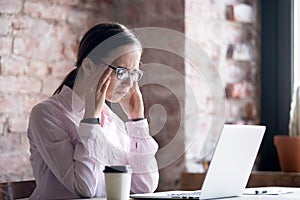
(80,85)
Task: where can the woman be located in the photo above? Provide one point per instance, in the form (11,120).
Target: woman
(74,134)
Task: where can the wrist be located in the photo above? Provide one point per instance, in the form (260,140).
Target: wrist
(91,121)
(89,115)
(135,116)
(136,119)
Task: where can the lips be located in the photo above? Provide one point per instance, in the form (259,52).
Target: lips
(121,93)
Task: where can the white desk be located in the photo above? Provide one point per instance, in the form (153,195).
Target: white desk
(291,196)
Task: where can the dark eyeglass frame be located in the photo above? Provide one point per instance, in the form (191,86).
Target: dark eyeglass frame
(131,73)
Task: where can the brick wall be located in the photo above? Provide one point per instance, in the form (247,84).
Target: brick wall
(228,31)
(38,40)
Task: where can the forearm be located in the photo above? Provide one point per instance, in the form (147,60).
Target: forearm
(142,157)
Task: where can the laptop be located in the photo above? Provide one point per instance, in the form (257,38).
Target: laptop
(230,167)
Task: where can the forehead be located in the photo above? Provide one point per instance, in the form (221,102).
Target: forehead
(129,60)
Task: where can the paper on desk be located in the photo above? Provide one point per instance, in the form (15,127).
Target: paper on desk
(268,191)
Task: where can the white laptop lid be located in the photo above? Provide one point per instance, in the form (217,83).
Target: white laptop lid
(231,164)
(232,161)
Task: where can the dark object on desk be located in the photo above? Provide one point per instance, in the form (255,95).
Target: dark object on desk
(260,192)
(17,190)
(194,181)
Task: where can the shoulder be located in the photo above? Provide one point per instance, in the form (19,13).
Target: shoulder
(47,107)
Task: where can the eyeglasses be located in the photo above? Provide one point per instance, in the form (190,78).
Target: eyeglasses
(123,73)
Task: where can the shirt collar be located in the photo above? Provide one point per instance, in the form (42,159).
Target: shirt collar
(106,115)
(74,102)
(77,104)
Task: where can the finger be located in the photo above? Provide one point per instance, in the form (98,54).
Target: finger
(105,85)
(106,73)
(94,80)
(102,91)
(104,77)
(134,88)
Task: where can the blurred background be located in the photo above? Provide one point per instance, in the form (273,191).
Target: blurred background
(249,41)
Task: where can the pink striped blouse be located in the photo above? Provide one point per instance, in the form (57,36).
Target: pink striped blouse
(68,157)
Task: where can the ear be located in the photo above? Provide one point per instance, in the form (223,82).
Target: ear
(88,66)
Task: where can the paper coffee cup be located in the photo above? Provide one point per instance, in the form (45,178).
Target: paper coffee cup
(117,182)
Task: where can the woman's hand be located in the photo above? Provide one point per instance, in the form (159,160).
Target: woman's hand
(132,104)
(95,95)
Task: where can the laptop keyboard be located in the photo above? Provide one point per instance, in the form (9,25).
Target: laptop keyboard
(190,195)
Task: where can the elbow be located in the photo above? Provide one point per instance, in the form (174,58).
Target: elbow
(85,193)
(154,185)
(142,184)
(84,190)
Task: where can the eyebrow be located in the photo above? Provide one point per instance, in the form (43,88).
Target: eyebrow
(114,67)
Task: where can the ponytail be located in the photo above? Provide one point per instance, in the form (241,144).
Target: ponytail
(68,81)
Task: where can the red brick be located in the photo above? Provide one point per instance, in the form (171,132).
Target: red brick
(50,84)
(64,33)
(68,38)
(30,101)
(38,41)
(33,9)
(75,16)
(60,70)
(55,12)
(10,142)
(21,47)
(11,6)
(235,33)
(16,167)
(5,45)
(67,2)
(20,85)
(234,72)
(53,52)
(98,5)
(234,110)
(13,65)
(229,12)
(38,68)
(19,124)
(240,90)
(10,104)
(205,10)
(46,10)
(244,52)
(4,123)
(176,8)
(41,48)
(241,111)
(244,13)
(4,26)
(21,23)
(70,52)
(250,111)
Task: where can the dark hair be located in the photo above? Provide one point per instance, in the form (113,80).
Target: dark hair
(96,44)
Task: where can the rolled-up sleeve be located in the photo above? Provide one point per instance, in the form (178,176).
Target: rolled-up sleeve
(142,157)
(71,163)
(78,163)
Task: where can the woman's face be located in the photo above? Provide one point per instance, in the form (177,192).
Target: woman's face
(117,89)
